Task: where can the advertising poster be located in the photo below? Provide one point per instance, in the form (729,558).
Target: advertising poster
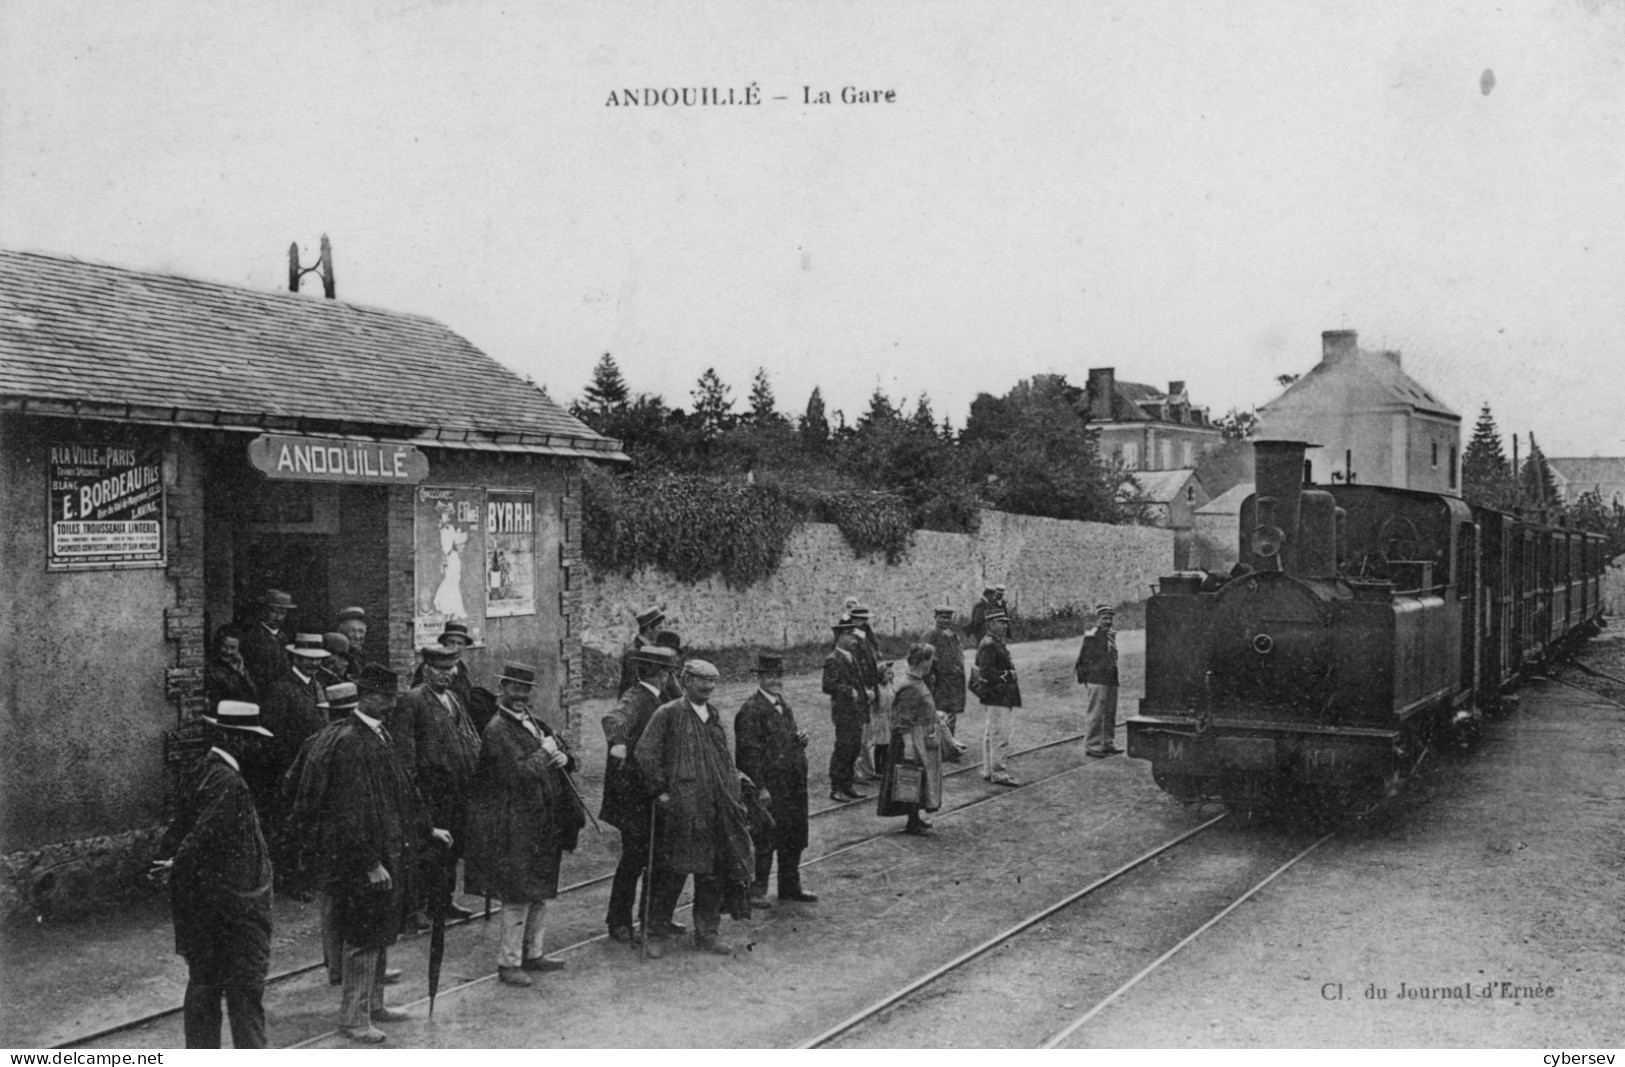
(510,531)
(451,554)
(107,507)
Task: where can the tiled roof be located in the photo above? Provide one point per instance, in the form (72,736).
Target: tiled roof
(1130,396)
(1163,486)
(73,332)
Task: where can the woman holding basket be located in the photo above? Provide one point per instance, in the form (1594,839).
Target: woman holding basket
(912,781)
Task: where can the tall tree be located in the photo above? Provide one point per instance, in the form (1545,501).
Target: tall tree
(713,404)
(881,411)
(762,404)
(1536,481)
(1486,476)
(607,392)
(923,418)
(814,424)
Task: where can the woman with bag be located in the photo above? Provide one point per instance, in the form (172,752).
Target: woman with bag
(912,781)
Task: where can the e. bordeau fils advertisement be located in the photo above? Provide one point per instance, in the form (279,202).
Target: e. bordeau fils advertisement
(107,506)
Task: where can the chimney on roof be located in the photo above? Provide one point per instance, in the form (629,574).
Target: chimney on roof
(1338,345)
(324,267)
(1175,388)
(1102,390)
(1393,354)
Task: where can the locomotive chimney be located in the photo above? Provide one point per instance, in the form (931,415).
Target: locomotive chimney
(1278,476)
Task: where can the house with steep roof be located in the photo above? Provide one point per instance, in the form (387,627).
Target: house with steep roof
(172,448)
(1172,498)
(1145,428)
(1372,423)
(1215,539)
(1577,475)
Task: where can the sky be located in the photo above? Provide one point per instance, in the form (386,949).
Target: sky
(1181,191)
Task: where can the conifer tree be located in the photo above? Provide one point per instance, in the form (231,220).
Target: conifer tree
(713,404)
(1486,476)
(1536,481)
(606,393)
(762,403)
(815,424)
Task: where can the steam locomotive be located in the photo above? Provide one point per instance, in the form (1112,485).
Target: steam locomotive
(1362,625)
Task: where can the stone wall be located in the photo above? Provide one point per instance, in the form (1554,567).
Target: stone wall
(1047,565)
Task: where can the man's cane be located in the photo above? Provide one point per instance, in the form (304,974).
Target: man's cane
(648,886)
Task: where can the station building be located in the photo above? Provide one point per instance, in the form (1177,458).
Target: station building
(169,449)
(1375,424)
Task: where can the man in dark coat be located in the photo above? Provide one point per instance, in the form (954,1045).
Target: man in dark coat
(264,641)
(523,816)
(357,801)
(294,706)
(772,750)
(848,707)
(992,597)
(454,635)
(704,829)
(226,676)
(351,624)
(439,747)
(220,885)
(1097,673)
(946,678)
(1000,694)
(876,732)
(649,621)
(627,804)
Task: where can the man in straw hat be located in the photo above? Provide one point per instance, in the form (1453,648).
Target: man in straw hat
(703,829)
(357,803)
(219,871)
(1097,673)
(772,750)
(649,620)
(626,801)
(263,639)
(1000,694)
(295,707)
(523,816)
(440,748)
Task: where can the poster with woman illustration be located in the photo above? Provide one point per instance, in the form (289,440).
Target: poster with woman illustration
(451,550)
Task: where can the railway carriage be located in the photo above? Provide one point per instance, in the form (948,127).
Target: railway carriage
(1363,624)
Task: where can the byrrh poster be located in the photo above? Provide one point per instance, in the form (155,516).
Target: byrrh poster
(510,528)
(451,572)
(107,506)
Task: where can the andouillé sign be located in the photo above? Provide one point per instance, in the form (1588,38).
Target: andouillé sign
(326,459)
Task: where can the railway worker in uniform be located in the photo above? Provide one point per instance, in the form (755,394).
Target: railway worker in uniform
(226,676)
(264,642)
(947,677)
(626,804)
(523,817)
(877,731)
(1097,672)
(992,598)
(358,801)
(848,707)
(648,620)
(704,829)
(294,707)
(219,872)
(772,751)
(1000,694)
(439,748)
(916,745)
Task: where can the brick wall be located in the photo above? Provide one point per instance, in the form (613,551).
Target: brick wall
(1047,564)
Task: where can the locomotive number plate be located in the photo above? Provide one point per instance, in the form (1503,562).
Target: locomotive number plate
(1209,755)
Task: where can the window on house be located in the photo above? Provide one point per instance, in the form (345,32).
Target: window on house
(1131,456)
(1452,466)
(1188,451)
(1190,496)
(1167,455)
(1435,455)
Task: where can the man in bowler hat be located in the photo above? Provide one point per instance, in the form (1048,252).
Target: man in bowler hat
(264,642)
(648,620)
(439,748)
(772,750)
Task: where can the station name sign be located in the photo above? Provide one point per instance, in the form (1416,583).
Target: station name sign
(326,459)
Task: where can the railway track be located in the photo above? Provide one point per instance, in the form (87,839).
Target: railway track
(291,973)
(873,1019)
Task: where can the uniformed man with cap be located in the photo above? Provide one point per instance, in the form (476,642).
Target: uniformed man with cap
(523,816)
(992,597)
(946,678)
(1000,694)
(295,707)
(648,620)
(772,750)
(439,748)
(848,707)
(704,829)
(1097,673)
(264,641)
(219,871)
(627,800)
(877,730)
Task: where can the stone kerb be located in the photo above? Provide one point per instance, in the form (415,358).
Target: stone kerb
(1047,565)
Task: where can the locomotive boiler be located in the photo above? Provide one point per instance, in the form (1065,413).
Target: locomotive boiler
(1356,631)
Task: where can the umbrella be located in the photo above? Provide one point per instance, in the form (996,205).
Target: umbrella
(440,894)
(575,790)
(648,887)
